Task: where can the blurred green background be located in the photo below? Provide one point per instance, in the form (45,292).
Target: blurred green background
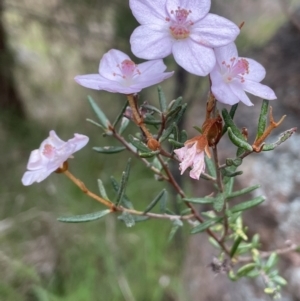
(47,43)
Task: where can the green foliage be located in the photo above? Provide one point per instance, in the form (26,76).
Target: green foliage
(84,218)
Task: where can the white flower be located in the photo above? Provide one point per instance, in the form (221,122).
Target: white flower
(233,75)
(182,27)
(51,155)
(119,74)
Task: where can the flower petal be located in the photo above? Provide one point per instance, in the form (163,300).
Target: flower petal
(198,9)
(180,152)
(149,11)
(30,177)
(188,158)
(214,31)
(91,81)
(110,62)
(198,166)
(238,89)
(79,140)
(150,81)
(151,42)
(256,71)
(225,53)
(259,90)
(193,57)
(221,90)
(151,67)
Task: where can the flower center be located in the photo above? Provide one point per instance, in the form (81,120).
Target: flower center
(236,69)
(128,70)
(180,23)
(48,151)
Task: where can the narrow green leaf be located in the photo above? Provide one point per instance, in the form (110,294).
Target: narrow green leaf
(109,149)
(283,137)
(121,113)
(228,186)
(235,246)
(239,151)
(279,280)
(242,191)
(138,144)
(162,99)
(84,218)
(271,262)
(95,123)
(173,112)
(207,224)
(175,103)
(183,136)
(149,119)
(205,200)
(246,269)
(151,108)
(237,141)
(235,162)
(198,129)
(233,110)
(125,201)
(155,201)
(124,124)
(149,154)
(101,116)
(175,132)
(229,123)
(262,122)
(247,205)
(167,132)
(124,180)
(175,143)
(163,202)
(177,223)
(102,190)
(180,114)
(219,202)
(186,211)
(210,166)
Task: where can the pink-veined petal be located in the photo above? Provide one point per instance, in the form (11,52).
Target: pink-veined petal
(225,53)
(259,90)
(221,90)
(54,140)
(188,158)
(256,71)
(198,9)
(237,88)
(91,81)
(149,11)
(151,42)
(193,57)
(110,61)
(198,166)
(180,152)
(214,31)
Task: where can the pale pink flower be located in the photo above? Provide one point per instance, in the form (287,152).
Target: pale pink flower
(192,155)
(182,27)
(234,75)
(51,155)
(119,74)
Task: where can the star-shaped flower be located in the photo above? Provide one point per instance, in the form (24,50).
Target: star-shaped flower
(119,74)
(234,75)
(192,155)
(182,27)
(51,155)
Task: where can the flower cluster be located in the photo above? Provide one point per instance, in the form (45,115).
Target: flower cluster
(202,43)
